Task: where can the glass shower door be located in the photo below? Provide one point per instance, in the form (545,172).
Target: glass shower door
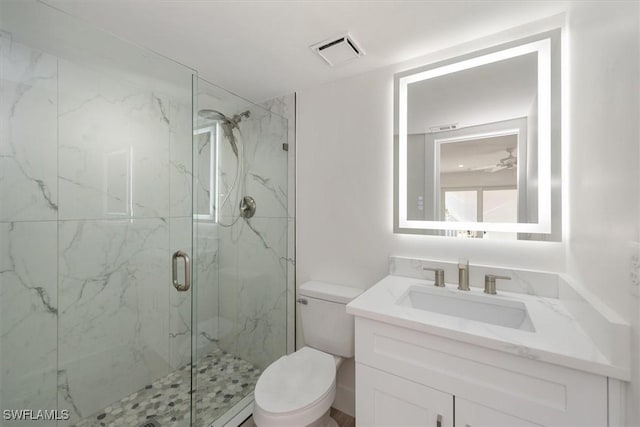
(95,197)
(240,240)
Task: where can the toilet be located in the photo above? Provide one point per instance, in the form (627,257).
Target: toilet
(298,389)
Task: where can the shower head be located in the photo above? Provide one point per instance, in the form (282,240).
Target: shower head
(245,114)
(227,124)
(217,115)
(211,115)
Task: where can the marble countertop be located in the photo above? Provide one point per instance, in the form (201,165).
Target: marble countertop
(558,338)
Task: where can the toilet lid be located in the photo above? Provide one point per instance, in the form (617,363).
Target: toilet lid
(295,381)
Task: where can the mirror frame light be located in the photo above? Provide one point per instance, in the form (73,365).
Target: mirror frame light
(543,226)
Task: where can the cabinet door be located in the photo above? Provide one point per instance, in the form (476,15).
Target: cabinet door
(383,399)
(470,414)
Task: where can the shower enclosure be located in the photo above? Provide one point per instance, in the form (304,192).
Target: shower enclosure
(135,288)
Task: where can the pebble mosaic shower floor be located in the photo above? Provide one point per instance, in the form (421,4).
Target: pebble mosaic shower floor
(222,381)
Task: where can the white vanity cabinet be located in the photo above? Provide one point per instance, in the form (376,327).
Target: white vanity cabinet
(388,400)
(406,377)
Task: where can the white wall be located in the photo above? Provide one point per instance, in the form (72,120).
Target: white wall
(345,169)
(344,187)
(603,198)
(604,151)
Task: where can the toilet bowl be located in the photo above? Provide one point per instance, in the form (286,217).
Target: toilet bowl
(298,389)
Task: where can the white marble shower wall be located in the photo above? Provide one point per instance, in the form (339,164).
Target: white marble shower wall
(254,261)
(285,106)
(95,184)
(28,231)
(95,178)
(241,273)
(206,301)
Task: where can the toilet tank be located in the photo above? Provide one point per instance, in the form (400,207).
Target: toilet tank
(325,323)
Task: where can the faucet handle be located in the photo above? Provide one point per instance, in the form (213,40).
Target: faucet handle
(439,276)
(490,283)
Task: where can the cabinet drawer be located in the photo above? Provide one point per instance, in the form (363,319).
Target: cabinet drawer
(385,400)
(545,393)
(469,414)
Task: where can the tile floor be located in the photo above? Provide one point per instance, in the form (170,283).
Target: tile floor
(221,381)
(341,418)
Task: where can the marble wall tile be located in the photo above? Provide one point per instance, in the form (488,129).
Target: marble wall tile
(28,150)
(114,283)
(113,147)
(181,226)
(289,112)
(180,157)
(28,316)
(254,290)
(204,146)
(204,292)
(285,106)
(262,309)
(291,285)
(266,162)
(263,165)
(254,262)
(124,158)
(207,287)
(231,185)
(228,283)
(118,146)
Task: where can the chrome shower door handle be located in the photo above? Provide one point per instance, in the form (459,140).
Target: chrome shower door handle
(181,287)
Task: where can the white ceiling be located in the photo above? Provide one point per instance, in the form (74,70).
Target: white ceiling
(260,49)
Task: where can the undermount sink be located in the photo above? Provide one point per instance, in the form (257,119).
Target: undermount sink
(480,308)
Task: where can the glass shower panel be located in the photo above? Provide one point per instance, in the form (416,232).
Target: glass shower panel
(95,196)
(240,305)
(121,323)
(28,228)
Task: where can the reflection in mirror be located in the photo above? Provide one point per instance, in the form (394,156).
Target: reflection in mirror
(475,167)
(474,144)
(205,140)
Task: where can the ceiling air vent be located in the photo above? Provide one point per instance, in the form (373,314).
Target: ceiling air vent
(338,50)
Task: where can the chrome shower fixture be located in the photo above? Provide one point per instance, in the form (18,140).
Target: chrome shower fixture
(227,124)
(247,207)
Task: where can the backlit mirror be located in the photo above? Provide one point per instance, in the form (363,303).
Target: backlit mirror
(478,144)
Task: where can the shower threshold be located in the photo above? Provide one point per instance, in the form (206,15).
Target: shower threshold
(222,380)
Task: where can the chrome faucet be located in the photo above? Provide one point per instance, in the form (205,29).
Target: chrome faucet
(463,275)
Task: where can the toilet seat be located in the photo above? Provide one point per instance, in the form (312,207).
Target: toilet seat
(295,389)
